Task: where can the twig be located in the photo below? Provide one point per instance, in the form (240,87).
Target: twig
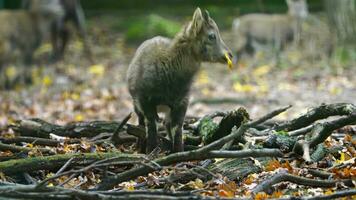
(36,141)
(99,163)
(301,131)
(115,138)
(269,116)
(64,166)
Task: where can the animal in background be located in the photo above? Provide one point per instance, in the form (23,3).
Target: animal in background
(60,31)
(161,74)
(23,30)
(21,33)
(273,29)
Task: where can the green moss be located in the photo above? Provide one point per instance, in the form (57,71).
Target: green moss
(207,127)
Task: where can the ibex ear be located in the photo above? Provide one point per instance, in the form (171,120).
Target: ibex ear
(196,24)
(206,15)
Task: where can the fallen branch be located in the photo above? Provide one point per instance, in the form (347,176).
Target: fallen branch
(56,161)
(335,195)
(186,156)
(322,112)
(115,138)
(320,133)
(36,141)
(32,192)
(284,176)
(42,129)
(199,154)
(16,149)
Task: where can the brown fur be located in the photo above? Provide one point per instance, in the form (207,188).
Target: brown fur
(162,71)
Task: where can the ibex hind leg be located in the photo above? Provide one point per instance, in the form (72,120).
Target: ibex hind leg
(141,142)
(148,110)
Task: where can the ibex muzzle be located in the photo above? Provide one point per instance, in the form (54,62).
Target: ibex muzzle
(162,71)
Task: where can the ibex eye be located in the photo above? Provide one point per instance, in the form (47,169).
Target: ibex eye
(212,37)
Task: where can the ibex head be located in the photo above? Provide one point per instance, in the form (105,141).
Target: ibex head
(297,8)
(207,40)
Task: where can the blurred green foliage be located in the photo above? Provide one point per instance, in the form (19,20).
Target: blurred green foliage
(246,6)
(153,25)
(344,55)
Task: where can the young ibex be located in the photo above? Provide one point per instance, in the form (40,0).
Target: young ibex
(273,29)
(161,74)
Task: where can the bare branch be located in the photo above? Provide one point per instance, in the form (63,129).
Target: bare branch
(284,176)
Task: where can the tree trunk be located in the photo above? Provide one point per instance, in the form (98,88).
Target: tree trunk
(342,16)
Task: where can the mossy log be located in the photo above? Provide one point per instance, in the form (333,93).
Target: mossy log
(32,164)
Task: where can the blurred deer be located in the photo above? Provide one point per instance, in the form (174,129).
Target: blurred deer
(161,74)
(22,31)
(60,32)
(272,29)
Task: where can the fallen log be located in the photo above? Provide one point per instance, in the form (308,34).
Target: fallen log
(56,161)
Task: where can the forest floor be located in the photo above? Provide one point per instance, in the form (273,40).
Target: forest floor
(74,87)
(76,90)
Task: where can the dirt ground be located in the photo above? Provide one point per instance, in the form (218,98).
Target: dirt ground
(76,90)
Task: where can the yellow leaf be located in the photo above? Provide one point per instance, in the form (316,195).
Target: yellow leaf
(202,78)
(262,70)
(197,184)
(328,192)
(75,96)
(50,185)
(206,91)
(11,72)
(223,193)
(273,165)
(45,48)
(229,61)
(249,180)
(227,189)
(65,95)
(78,45)
(97,70)
(261,196)
(335,91)
(130,186)
(277,194)
(29,145)
(49,175)
(238,87)
(78,117)
(47,81)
